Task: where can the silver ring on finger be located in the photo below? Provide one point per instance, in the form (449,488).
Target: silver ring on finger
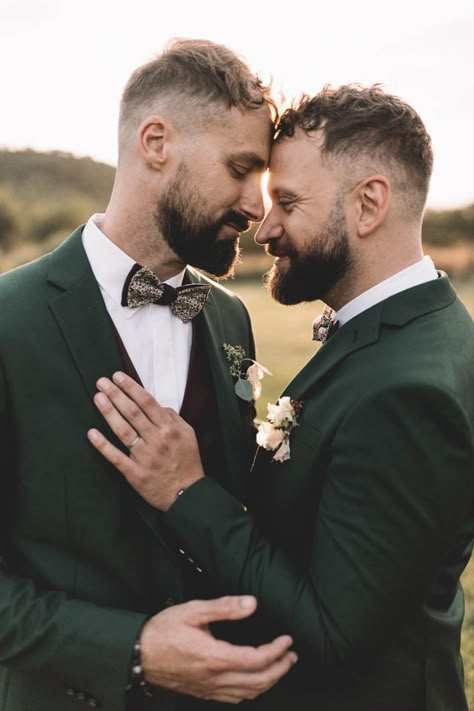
(134,442)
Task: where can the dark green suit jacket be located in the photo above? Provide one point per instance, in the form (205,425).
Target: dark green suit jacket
(356,544)
(83,560)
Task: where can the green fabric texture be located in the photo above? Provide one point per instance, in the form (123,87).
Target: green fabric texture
(355,545)
(84,560)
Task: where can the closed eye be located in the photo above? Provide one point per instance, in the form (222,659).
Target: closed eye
(286,205)
(238,171)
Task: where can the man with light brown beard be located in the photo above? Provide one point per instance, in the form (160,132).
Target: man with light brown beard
(91,584)
(362,520)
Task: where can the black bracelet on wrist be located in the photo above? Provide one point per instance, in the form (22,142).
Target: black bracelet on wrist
(136,677)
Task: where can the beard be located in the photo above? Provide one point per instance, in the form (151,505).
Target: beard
(315,268)
(184,219)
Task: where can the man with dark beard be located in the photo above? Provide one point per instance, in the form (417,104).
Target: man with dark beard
(192,232)
(362,520)
(320,262)
(88,579)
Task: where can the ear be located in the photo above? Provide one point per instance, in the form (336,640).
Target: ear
(372,196)
(153,137)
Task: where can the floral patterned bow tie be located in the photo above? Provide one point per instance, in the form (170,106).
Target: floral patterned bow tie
(142,287)
(324,325)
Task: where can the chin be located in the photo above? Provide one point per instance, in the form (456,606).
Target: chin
(283,265)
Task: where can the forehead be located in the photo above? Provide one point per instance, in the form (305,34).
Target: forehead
(245,134)
(296,163)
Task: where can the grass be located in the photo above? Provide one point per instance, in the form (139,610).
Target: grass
(283,336)
(284,344)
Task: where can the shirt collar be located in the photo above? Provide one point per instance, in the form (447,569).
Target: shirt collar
(416,274)
(110,264)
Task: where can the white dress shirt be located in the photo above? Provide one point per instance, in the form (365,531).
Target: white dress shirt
(158,343)
(416,274)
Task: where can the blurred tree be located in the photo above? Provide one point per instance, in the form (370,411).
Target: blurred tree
(51,218)
(448,227)
(10,220)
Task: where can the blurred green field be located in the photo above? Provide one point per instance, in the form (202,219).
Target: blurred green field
(284,344)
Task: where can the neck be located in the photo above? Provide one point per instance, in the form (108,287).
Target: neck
(135,233)
(372,269)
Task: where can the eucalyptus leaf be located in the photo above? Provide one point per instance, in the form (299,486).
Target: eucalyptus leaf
(244,389)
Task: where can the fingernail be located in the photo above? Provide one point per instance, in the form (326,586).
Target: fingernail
(247,602)
(103,383)
(94,435)
(295,659)
(118,377)
(101,399)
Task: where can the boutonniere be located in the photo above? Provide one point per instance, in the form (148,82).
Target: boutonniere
(248,385)
(274,433)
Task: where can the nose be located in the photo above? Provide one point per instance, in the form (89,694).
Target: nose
(269,229)
(251,202)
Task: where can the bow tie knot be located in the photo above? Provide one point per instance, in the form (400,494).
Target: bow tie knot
(324,325)
(169,295)
(142,287)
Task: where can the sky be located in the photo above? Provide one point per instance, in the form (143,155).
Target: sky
(63,64)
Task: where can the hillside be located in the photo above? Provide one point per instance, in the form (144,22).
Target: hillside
(32,177)
(43,196)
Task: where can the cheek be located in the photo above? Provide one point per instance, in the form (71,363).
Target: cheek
(220,195)
(302,227)
(217,185)
(294,227)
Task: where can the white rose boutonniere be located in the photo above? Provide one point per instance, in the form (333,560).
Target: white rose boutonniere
(274,433)
(248,385)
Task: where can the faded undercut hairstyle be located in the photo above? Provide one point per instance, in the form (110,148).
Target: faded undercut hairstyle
(195,82)
(365,127)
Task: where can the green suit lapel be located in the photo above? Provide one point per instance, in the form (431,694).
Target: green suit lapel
(357,333)
(364,329)
(87,328)
(81,314)
(211,321)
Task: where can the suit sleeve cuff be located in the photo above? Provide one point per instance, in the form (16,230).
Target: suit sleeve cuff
(204,516)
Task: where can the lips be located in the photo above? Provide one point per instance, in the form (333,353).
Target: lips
(235,220)
(234,231)
(243,227)
(277,253)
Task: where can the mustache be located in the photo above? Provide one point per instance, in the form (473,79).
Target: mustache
(278,250)
(234,218)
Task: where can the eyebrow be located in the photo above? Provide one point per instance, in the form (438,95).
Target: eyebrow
(249,157)
(279,191)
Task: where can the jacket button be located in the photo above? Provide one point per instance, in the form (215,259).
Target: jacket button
(81,696)
(169,602)
(92,703)
(70,692)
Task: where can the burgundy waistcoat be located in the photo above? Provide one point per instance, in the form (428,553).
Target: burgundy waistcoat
(199,407)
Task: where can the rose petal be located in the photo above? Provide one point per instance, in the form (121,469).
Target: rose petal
(283,452)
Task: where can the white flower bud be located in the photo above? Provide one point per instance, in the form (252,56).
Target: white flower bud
(283,451)
(254,376)
(268,436)
(281,412)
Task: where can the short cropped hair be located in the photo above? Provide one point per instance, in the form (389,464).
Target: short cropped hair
(367,126)
(195,80)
